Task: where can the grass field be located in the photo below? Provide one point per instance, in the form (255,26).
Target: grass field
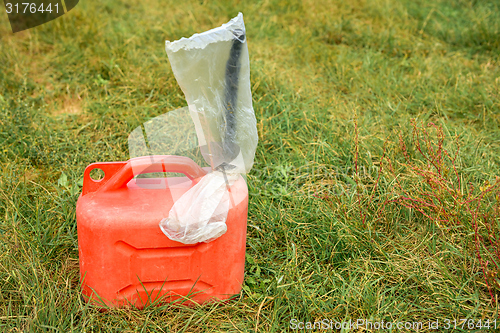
(375,191)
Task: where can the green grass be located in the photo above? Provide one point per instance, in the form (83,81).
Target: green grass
(335,86)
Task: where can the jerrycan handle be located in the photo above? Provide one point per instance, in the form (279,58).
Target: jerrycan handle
(118,174)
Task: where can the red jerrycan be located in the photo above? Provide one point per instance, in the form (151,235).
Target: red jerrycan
(125,259)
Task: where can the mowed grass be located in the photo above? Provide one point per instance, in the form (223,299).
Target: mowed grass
(354,212)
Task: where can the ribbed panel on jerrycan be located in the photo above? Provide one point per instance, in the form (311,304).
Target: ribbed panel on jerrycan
(125,259)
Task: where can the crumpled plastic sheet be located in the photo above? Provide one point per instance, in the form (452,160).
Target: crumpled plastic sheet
(200,214)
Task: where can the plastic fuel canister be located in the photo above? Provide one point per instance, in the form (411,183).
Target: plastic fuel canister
(125,259)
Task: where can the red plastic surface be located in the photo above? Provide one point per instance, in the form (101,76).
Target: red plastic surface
(125,259)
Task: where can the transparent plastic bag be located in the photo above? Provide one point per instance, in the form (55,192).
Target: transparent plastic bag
(213,71)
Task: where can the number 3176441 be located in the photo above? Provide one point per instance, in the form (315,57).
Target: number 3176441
(30,8)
